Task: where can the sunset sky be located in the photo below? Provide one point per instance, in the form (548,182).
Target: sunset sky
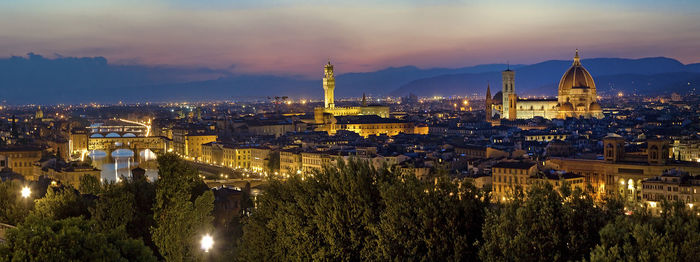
(296,37)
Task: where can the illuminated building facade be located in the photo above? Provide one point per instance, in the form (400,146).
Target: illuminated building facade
(71,175)
(290,162)
(259,159)
(78,141)
(372,125)
(21,160)
(188,142)
(323,114)
(577,97)
(507,177)
(623,172)
(670,187)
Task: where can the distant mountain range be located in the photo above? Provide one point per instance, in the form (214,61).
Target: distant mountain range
(36,79)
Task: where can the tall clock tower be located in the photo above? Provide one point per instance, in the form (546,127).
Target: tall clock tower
(329,85)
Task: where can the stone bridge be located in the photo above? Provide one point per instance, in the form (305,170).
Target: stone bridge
(156,144)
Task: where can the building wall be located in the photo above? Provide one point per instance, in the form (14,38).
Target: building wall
(21,162)
(506,180)
(193,144)
(259,158)
(313,161)
(625,179)
(78,142)
(531,109)
(656,191)
(72,177)
(290,162)
(372,129)
(271,130)
(546,137)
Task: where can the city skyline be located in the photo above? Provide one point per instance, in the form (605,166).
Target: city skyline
(285,38)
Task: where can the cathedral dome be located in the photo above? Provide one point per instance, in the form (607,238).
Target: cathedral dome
(498,98)
(595,107)
(576,76)
(566,107)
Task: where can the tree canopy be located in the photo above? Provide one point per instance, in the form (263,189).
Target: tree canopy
(355,212)
(182,211)
(71,239)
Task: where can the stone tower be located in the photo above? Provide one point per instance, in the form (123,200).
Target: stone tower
(614,148)
(508,89)
(489,103)
(328,85)
(512,110)
(657,151)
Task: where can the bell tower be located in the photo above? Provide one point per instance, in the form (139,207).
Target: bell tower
(508,90)
(328,85)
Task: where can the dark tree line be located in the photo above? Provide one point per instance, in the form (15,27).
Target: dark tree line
(355,212)
(347,212)
(133,220)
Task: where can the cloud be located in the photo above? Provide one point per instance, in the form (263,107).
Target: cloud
(285,37)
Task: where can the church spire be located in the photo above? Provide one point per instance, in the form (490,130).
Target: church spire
(488,91)
(364,100)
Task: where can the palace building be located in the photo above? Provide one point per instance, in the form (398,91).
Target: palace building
(365,120)
(323,114)
(576,98)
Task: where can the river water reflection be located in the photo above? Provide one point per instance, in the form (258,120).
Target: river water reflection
(121,161)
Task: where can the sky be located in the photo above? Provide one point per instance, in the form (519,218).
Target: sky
(297,37)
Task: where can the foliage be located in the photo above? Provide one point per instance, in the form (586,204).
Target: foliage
(113,208)
(179,221)
(129,204)
(60,203)
(356,212)
(273,163)
(675,236)
(71,239)
(429,220)
(13,207)
(546,226)
(89,185)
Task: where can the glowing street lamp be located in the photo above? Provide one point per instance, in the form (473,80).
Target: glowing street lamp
(207,242)
(26,192)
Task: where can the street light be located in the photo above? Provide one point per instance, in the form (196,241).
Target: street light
(207,242)
(26,192)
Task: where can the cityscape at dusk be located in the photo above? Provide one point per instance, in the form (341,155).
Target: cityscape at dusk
(349,131)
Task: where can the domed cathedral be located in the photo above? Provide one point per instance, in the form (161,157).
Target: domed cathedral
(577,98)
(577,93)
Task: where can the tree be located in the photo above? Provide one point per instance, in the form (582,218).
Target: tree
(113,208)
(60,203)
(128,204)
(546,226)
(353,211)
(182,211)
(674,236)
(90,185)
(13,207)
(273,163)
(72,239)
(424,221)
